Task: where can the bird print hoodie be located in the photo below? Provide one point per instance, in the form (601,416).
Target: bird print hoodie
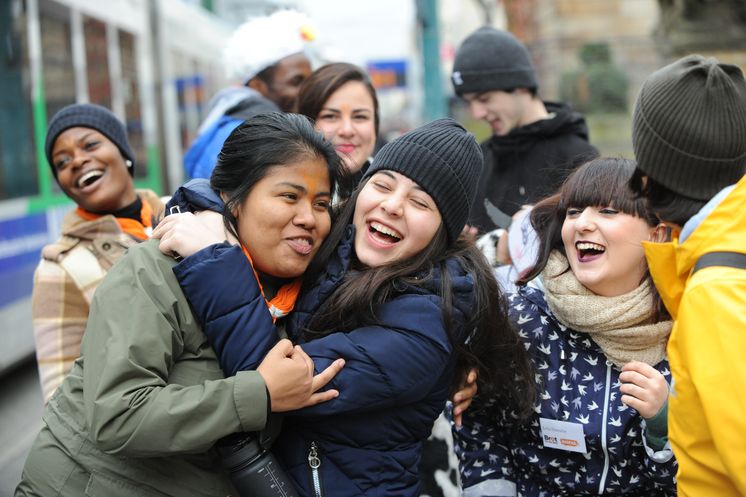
(580,440)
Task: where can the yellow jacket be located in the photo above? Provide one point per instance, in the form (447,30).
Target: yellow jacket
(707,351)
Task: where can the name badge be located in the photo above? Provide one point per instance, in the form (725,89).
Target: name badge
(562,435)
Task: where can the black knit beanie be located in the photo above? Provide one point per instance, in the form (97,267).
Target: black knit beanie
(444,160)
(490,59)
(689,126)
(88,116)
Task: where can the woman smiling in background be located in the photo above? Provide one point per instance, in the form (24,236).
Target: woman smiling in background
(341,100)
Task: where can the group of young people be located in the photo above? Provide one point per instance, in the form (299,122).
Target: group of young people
(149,388)
(330,305)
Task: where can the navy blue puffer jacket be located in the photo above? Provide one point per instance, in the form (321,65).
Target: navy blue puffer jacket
(228,301)
(394,384)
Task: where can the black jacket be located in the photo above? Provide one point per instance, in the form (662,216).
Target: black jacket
(530,163)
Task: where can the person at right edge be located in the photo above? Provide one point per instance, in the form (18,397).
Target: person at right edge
(689,138)
(534,144)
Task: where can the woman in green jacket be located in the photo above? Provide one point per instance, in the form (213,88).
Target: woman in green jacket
(145,403)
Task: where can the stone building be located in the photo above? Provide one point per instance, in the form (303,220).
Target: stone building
(639,37)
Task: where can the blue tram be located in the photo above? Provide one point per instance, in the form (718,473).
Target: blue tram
(154,63)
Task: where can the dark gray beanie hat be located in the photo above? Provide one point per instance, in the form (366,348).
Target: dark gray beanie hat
(88,116)
(442,158)
(490,59)
(689,126)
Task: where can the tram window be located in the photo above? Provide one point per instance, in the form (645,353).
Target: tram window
(214,81)
(17,165)
(131,95)
(57,60)
(97,62)
(188,85)
(209,84)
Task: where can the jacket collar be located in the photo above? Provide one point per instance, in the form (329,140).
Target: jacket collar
(721,228)
(75,226)
(196,195)
(697,219)
(562,121)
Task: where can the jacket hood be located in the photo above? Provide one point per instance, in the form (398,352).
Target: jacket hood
(721,230)
(698,218)
(232,99)
(564,122)
(251,106)
(196,195)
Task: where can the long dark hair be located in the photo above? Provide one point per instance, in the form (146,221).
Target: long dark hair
(600,182)
(493,345)
(263,142)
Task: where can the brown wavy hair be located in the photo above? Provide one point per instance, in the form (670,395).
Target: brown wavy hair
(324,81)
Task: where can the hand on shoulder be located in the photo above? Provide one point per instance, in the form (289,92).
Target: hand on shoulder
(288,372)
(183,234)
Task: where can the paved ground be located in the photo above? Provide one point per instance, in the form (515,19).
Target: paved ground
(20,412)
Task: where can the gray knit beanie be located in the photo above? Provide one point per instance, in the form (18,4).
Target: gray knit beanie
(88,116)
(490,59)
(444,160)
(689,126)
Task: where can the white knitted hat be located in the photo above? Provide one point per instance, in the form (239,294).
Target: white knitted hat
(262,41)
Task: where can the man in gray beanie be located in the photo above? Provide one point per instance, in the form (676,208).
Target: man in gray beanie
(535,144)
(689,137)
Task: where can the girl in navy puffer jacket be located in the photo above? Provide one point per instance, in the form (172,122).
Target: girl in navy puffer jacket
(597,334)
(404,300)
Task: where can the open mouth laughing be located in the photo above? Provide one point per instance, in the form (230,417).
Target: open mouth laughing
(384,234)
(588,251)
(88,178)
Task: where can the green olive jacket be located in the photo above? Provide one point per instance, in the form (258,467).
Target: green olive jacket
(146,401)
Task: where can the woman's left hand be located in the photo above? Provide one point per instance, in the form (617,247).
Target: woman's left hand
(643,388)
(184,234)
(462,399)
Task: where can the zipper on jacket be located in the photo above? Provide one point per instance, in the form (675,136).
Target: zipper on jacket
(314,462)
(605,473)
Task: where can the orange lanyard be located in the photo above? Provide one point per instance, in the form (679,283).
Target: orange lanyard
(284,301)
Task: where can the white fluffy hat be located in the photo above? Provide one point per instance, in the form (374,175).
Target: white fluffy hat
(262,41)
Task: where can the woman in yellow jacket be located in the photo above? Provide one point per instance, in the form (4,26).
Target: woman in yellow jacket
(689,136)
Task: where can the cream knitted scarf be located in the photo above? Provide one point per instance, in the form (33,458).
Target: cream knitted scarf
(614,323)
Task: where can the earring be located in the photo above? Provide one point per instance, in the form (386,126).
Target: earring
(660,234)
(128,163)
